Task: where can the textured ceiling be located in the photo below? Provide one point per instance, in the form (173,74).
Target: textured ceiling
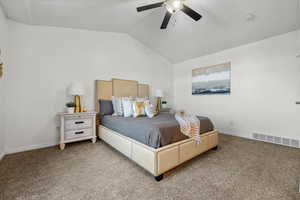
(223,25)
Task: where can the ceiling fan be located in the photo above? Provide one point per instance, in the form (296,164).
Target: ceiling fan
(172,7)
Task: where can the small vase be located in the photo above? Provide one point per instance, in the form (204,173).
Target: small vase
(70,110)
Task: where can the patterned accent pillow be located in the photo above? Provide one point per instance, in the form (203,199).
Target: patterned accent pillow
(127,106)
(149,109)
(138,109)
(117,105)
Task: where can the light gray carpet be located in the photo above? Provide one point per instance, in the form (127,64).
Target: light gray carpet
(241,169)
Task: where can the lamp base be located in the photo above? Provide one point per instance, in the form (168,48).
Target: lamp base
(77,108)
(158,104)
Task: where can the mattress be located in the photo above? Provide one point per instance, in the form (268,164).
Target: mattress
(156,132)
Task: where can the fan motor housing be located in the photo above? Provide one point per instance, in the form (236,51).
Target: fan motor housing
(173,5)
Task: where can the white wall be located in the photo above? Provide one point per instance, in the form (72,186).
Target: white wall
(298,54)
(265,85)
(3,47)
(45,60)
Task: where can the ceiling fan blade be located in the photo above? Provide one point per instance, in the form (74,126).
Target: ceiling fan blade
(166,20)
(150,6)
(190,12)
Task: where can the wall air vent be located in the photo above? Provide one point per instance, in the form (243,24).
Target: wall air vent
(277,140)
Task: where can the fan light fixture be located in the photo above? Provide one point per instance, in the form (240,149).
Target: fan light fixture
(173,5)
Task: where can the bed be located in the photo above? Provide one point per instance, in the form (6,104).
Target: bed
(156,132)
(155,144)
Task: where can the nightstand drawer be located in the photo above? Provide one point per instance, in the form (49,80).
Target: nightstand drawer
(78,123)
(78,133)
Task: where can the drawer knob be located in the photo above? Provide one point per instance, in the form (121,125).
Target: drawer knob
(81,122)
(79,132)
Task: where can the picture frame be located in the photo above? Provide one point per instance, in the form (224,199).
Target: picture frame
(215,79)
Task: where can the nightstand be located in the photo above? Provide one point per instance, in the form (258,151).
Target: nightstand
(76,127)
(165,110)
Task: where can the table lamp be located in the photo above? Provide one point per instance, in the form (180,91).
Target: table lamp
(76,89)
(159,95)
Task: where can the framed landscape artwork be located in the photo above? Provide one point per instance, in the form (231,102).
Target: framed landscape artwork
(214,79)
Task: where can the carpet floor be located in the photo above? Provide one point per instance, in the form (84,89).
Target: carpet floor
(241,169)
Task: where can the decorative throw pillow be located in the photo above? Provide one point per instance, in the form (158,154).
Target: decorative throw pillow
(149,109)
(138,109)
(117,105)
(127,106)
(106,107)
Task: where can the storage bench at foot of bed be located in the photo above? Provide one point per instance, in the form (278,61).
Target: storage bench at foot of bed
(161,160)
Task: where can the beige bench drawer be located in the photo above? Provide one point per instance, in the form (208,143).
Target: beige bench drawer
(118,142)
(212,140)
(78,123)
(187,151)
(143,157)
(73,134)
(203,145)
(167,159)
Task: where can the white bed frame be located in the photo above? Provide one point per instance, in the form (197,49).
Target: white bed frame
(156,161)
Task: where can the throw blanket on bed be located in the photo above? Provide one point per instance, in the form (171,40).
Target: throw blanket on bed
(189,126)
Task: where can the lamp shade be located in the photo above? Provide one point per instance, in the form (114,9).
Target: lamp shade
(159,93)
(76,89)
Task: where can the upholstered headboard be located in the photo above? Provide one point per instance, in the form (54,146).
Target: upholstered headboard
(119,88)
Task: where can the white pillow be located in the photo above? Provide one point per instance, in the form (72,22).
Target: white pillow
(117,105)
(127,106)
(149,109)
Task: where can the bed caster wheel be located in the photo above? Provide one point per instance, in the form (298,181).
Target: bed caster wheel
(159,178)
(215,148)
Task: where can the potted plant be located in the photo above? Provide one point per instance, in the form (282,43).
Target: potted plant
(70,107)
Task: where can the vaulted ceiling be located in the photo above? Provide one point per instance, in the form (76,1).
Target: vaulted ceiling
(225,23)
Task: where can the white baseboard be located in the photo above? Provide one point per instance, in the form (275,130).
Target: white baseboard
(1,156)
(28,148)
(236,135)
(40,146)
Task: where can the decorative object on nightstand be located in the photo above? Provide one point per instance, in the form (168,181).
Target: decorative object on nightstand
(76,89)
(76,127)
(70,107)
(159,95)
